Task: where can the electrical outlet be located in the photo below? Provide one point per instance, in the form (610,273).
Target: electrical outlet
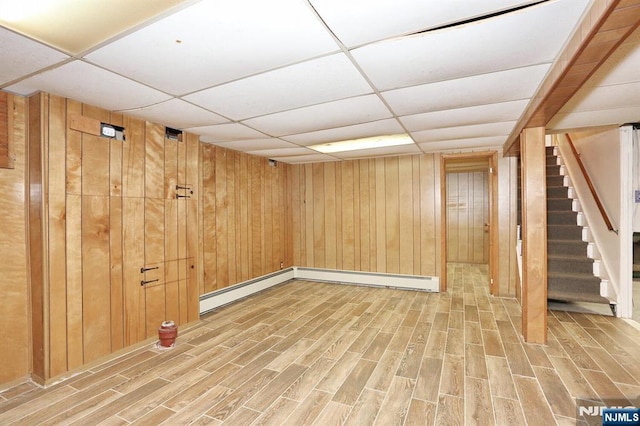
(637,196)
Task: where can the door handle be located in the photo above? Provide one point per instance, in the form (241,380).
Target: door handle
(143,282)
(143,269)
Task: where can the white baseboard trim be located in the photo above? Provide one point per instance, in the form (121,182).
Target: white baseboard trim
(215,299)
(407,282)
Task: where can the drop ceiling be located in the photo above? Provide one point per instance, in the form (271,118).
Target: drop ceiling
(273,77)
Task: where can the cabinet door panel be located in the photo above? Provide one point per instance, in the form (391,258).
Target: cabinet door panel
(154,308)
(96,277)
(133,259)
(173,303)
(154,161)
(154,230)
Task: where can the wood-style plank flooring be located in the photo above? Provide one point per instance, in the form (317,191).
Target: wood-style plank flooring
(315,353)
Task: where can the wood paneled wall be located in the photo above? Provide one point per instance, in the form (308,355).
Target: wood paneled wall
(101,209)
(244,219)
(15,356)
(380,215)
(383,215)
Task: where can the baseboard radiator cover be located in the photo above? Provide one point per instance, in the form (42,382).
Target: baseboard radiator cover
(218,298)
(224,296)
(375,279)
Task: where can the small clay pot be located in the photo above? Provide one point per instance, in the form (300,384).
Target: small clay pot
(167,334)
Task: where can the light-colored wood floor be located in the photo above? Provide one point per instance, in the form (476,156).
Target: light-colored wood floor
(316,353)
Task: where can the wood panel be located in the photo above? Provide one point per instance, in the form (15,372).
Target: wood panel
(534,236)
(75,345)
(399,215)
(15,357)
(57,241)
(100,210)
(385,221)
(37,168)
(133,258)
(244,227)
(96,315)
(6,126)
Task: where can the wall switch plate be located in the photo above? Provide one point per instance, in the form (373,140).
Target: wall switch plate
(637,196)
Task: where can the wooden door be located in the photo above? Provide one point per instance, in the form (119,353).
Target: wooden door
(468,217)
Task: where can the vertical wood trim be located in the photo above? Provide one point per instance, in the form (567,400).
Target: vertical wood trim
(494,234)
(117,288)
(365,218)
(193,222)
(443,227)
(37,185)
(74,281)
(392,219)
(319,249)
(381,219)
(330,224)
(6,131)
(96,315)
(405,215)
(534,236)
(338,195)
(415,226)
(348,209)
(56,249)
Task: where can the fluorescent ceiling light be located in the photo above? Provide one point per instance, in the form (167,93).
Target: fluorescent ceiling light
(365,143)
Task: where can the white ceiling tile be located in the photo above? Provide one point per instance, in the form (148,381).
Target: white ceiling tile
(516,84)
(302,159)
(356,22)
(225,132)
(87,83)
(21,56)
(464,132)
(256,144)
(513,40)
(320,80)
(379,152)
(178,114)
(329,115)
(75,26)
(491,113)
(236,39)
(282,152)
(464,144)
(576,120)
(357,131)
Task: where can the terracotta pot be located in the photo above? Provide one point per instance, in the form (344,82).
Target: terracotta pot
(167,334)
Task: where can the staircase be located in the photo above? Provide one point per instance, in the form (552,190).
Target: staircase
(570,271)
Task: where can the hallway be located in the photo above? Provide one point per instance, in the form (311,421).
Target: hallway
(319,353)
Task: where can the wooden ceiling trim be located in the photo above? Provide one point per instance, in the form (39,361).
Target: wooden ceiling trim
(604,27)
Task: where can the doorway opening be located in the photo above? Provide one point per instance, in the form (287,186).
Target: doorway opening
(469,217)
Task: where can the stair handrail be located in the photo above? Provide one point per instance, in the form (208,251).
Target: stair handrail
(592,188)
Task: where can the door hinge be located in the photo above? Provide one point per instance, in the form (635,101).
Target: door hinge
(491,170)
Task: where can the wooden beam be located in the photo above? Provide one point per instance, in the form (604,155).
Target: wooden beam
(534,235)
(604,27)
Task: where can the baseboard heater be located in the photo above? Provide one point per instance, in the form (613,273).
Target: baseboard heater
(218,298)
